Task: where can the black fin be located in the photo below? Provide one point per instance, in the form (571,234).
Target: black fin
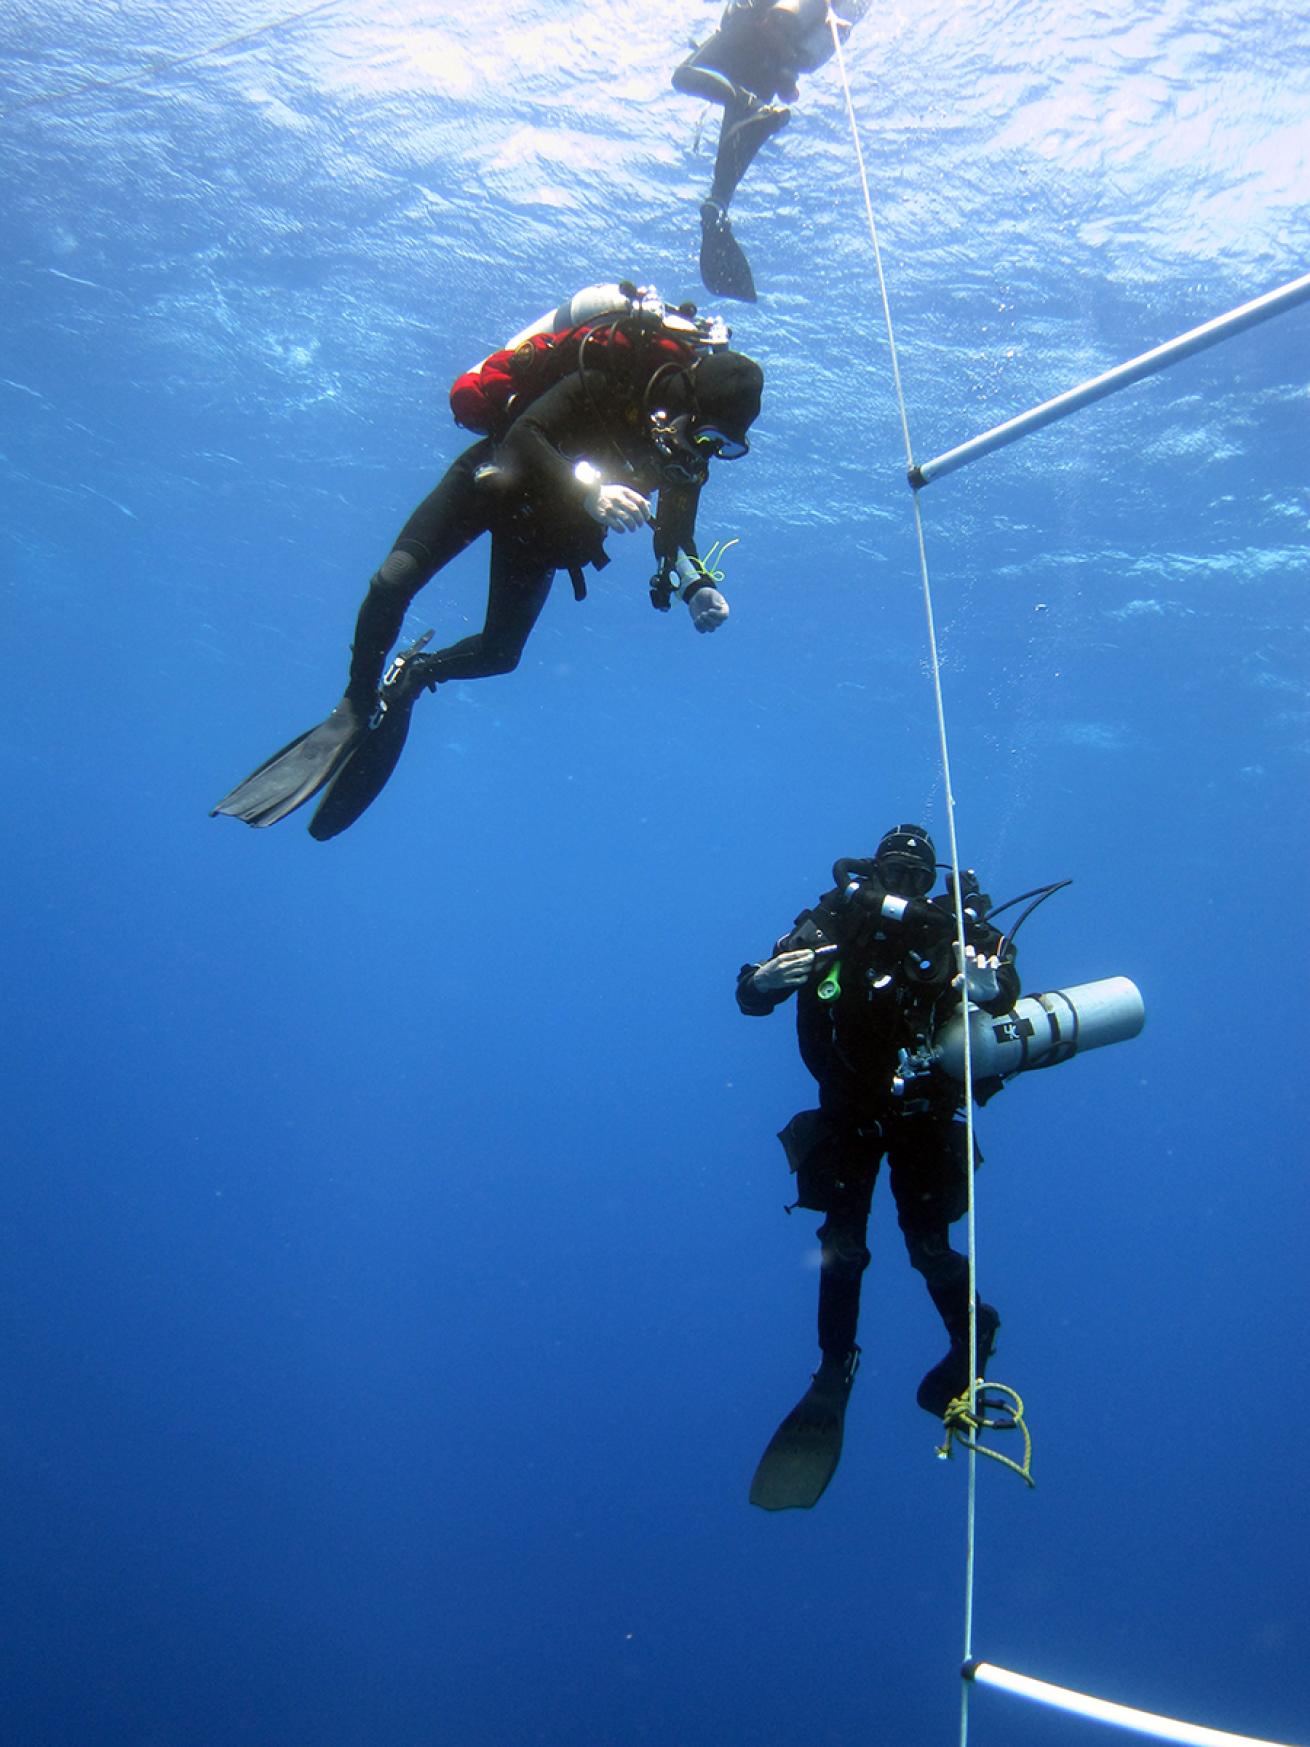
(724,268)
(296,773)
(362,779)
(803,1453)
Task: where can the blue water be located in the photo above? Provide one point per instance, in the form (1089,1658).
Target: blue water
(397,1289)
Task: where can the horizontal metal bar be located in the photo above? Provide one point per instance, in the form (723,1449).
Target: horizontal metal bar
(1103,1711)
(1247,315)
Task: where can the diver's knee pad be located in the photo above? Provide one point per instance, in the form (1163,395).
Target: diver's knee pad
(844,1249)
(399,572)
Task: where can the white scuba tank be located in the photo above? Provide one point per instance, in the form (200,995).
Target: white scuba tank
(1041,1030)
(589,304)
(596,301)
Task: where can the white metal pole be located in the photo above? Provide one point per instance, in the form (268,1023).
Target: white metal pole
(1223,327)
(1104,1711)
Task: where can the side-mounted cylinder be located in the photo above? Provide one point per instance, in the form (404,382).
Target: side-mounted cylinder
(1040,1031)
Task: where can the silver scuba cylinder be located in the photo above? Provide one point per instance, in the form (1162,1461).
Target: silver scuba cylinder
(592,302)
(1041,1030)
(595,302)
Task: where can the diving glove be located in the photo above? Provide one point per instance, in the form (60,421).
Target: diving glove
(978,976)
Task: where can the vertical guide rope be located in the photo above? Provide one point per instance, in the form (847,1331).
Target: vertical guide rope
(944,748)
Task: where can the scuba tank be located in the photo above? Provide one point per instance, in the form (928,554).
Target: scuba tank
(1039,1031)
(589,305)
(623,321)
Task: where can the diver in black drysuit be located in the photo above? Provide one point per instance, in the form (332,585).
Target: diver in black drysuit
(898,979)
(581,459)
(756,55)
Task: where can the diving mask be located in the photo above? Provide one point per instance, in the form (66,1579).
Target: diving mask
(687,447)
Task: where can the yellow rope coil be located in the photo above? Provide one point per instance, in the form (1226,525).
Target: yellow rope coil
(964,1425)
(716,554)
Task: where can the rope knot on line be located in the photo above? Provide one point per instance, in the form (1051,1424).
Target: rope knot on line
(964,1424)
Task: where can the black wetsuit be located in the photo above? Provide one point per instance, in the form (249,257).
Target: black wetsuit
(895,988)
(752,47)
(756,55)
(522,491)
(744,65)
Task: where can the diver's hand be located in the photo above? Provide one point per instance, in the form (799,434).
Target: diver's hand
(979,974)
(616,506)
(786,970)
(706,605)
(708,609)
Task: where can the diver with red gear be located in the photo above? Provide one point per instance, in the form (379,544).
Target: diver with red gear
(584,457)
(875,970)
(756,55)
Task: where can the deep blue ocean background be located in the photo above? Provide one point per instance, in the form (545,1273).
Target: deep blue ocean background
(397,1288)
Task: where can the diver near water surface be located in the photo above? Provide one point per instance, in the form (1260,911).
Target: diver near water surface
(874,969)
(756,55)
(606,403)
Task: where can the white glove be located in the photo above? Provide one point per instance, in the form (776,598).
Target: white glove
(616,506)
(978,975)
(707,606)
(708,609)
(787,970)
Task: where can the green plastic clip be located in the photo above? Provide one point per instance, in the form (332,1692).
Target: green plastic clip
(830,987)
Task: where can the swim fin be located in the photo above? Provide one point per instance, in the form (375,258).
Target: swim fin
(362,778)
(296,773)
(724,269)
(803,1453)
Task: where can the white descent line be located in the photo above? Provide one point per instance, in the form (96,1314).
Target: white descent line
(1101,1710)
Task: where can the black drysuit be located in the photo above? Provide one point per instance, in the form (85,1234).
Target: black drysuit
(522,491)
(895,988)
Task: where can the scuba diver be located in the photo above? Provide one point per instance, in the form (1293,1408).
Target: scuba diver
(584,417)
(874,968)
(754,57)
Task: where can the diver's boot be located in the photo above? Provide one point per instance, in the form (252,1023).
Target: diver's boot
(803,1453)
(724,268)
(950,1377)
(359,782)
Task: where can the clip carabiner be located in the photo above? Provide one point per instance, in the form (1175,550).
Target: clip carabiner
(392,677)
